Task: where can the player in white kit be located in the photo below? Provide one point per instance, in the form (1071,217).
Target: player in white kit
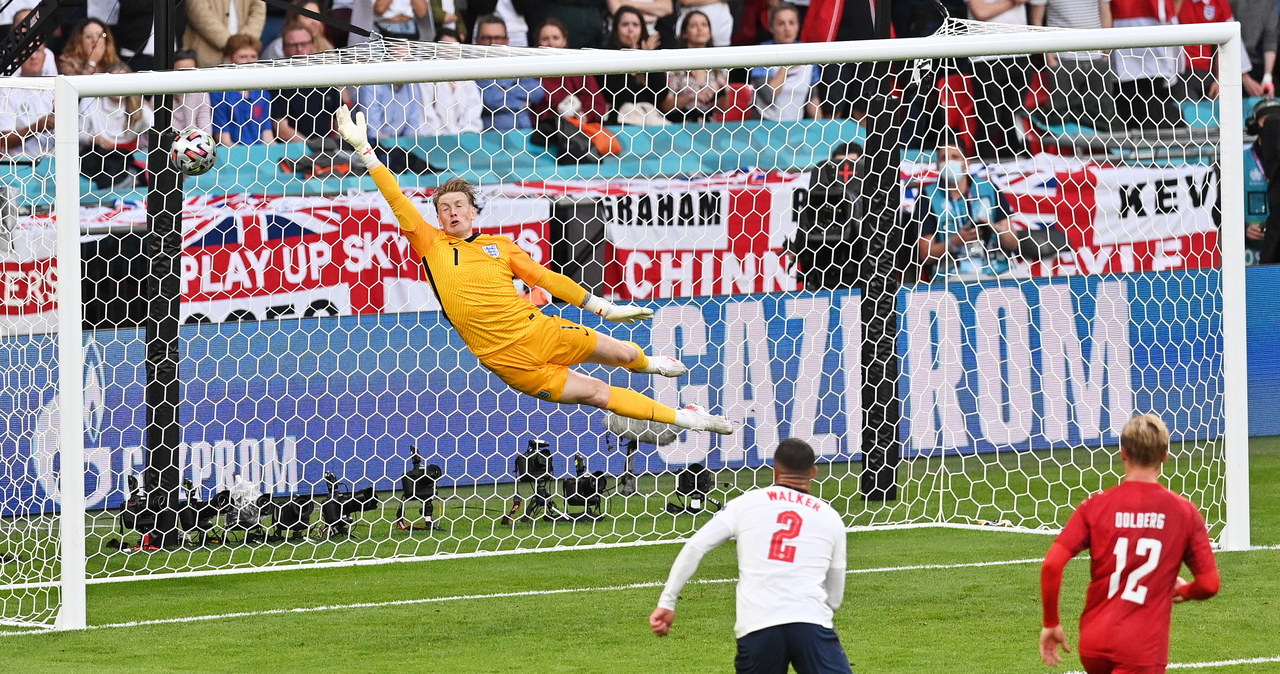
(791,568)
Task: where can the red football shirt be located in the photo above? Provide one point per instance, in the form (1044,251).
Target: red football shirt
(1138,534)
(1200,57)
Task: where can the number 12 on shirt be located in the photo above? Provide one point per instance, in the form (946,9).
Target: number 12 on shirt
(1146,547)
(778,548)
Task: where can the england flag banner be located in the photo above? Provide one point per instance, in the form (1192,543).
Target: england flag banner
(719,235)
(1117,219)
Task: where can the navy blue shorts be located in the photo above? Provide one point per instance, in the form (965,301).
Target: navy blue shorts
(810,648)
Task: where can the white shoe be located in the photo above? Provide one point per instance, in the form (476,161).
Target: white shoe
(665,366)
(697,418)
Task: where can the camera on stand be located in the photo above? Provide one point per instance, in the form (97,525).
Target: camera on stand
(693,487)
(198,516)
(585,491)
(627,481)
(292,519)
(335,514)
(419,484)
(139,514)
(534,465)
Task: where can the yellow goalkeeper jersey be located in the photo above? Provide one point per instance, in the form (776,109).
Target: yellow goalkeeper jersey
(473,276)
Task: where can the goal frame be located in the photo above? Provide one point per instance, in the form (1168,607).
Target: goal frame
(69,90)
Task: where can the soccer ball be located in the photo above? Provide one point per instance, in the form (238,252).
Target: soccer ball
(651,432)
(194,152)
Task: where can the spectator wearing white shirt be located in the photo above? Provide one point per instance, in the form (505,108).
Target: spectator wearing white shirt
(717,13)
(694,95)
(791,567)
(191,110)
(392,110)
(399,18)
(26,115)
(50,60)
(786,93)
(111,129)
(653,11)
(451,107)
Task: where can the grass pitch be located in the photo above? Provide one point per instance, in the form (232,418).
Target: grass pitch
(586,611)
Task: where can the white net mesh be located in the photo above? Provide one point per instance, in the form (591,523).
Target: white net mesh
(1043,274)
(29,549)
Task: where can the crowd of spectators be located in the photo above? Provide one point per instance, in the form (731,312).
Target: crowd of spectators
(1129,89)
(978,109)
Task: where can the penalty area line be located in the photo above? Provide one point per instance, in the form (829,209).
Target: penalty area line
(495,595)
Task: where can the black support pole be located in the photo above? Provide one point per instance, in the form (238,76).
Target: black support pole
(163,249)
(879,281)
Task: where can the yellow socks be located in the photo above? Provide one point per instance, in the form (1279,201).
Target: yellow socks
(641,362)
(628,403)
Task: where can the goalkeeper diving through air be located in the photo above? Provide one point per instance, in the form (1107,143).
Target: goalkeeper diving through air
(529,350)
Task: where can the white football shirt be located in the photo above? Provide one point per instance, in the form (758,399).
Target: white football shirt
(791,558)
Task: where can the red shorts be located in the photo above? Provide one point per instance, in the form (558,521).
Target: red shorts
(539,364)
(1097,665)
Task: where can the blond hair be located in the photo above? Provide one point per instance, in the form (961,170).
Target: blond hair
(455,186)
(1145,439)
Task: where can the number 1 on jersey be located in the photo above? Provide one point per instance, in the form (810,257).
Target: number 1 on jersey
(455,257)
(778,548)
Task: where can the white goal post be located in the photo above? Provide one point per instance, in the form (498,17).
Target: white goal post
(1028,483)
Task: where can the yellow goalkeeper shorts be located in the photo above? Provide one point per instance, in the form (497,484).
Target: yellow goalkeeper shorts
(539,363)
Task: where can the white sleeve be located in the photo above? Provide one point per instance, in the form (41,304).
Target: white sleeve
(432,124)
(9,120)
(711,536)
(836,572)
(472,103)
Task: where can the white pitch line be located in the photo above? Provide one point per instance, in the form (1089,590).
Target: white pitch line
(1207,665)
(1259,547)
(534,593)
(498,595)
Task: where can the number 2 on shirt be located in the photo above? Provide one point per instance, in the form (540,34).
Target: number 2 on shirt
(778,548)
(1146,547)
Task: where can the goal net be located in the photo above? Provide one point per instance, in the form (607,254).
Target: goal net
(950,273)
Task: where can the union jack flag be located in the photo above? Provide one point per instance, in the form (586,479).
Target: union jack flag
(253,220)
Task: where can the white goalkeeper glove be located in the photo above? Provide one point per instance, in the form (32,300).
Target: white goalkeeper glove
(618,313)
(356,133)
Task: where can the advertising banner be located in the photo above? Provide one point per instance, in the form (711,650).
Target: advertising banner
(1063,363)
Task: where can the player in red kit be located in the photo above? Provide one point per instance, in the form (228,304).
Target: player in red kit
(1139,534)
